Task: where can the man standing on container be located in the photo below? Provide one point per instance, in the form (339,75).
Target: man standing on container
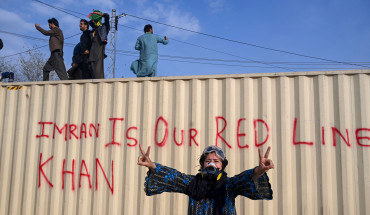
(99,40)
(147,45)
(85,46)
(56,43)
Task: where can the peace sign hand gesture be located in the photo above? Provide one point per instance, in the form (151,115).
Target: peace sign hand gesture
(265,164)
(144,159)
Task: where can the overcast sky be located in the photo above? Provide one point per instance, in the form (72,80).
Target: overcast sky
(240,36)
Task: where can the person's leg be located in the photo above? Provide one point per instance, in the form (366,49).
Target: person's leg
(86,68)
(154,70)
(73,72)
(60,68)
(11,77)
(49,66)
(46,75)
(98,72)
(78,73)
(92,66)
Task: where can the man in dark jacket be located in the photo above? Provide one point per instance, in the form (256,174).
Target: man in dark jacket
(80,65)
(85,46)
(56,41)
(98,42)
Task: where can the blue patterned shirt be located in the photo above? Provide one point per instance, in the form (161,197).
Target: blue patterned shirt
(166,179)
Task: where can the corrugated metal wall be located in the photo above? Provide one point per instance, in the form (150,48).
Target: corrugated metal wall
(318,125)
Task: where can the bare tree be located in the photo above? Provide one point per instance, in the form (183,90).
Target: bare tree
(30,66)
(26,66)
(6,66)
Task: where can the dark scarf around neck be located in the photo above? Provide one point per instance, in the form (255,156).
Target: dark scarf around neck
(200,188)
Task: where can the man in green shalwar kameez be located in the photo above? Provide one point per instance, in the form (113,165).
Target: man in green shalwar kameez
(147,45)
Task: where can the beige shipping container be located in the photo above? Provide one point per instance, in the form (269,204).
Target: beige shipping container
(71,147)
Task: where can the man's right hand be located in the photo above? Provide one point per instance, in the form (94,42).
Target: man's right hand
(144,159)
(37,25)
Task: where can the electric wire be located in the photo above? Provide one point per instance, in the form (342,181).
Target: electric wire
(218,37)
(24,36)
(243,43)
(34,38)
(194,60)
(225,53)
(234,61)
(251,61)
(219,64)
(271,66)
(59,8)
(214,36)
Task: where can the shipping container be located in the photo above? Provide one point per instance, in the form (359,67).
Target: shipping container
(71,147)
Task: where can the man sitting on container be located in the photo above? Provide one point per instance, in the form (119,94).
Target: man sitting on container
(210,191)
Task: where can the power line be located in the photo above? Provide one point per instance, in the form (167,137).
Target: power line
(214,50)
(63,10)
(132,53)
(24,36)
(184,59)
(218,64)
(29,50)
(58,8)
(195,60)
(34,38)
(218,37)
(243,43)
(253,61)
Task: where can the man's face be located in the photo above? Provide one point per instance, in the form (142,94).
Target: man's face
(83,27)
(51,25)
(212,157)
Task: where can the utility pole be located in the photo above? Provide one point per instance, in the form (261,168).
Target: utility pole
(112,44)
